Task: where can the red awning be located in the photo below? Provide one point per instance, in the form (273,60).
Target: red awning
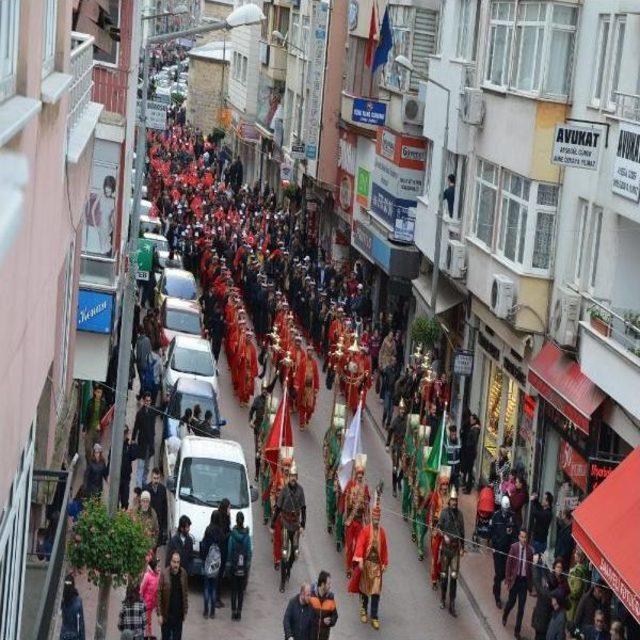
(561,381)
(607,525)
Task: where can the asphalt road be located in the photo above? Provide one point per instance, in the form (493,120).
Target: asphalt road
(408,609)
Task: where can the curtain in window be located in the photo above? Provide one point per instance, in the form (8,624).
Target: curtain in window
(486,213)
(560,62)
(543,240)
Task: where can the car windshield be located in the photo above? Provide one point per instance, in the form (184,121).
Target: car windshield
(180,402)
(160,244)
(183,288)
(182,321)
(195,362)
(207,482)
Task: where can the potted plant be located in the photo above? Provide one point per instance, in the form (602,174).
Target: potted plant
(425,331)
(600,320)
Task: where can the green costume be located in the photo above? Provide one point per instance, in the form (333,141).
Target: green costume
(265,470)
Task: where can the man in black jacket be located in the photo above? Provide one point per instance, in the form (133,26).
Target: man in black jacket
(541,516)
(144,434)
(158,494)
(129,454)
(503,534)
(299,616)
(182,543)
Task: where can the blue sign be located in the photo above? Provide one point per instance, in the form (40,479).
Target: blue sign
(389,208)
(371,245)
(95,311)
(369,111)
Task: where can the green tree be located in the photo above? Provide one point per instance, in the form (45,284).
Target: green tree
(104,547)
(425,331)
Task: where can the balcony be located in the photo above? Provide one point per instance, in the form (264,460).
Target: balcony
(274,61)
(610,351)
(83,114)
(425,233)
(628,106)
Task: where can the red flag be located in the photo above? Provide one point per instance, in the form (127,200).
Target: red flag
(373,36)
(280,434)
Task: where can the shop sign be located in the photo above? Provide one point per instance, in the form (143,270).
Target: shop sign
(577,146)
(626,165)
(373,247)
(403,151)
(398,214)
(399,182)
(368,111)
(297,151)
(286,173)
(95,311)
(573,465)
(247,131)
(363,187)
(145,259)
(463,362)
(627,596)
(488,346)
(514,371)
(156,114)
(599,471)
(316,77)
(526,424)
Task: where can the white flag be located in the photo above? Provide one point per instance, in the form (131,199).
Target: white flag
(351,447)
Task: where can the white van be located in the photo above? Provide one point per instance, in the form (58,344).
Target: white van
(206,471)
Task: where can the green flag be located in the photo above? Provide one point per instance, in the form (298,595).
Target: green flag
(434,461)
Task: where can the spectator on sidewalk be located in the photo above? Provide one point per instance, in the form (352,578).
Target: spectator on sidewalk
(452,449)
(541,516)
(173,598)
(299,616)
(96,473)
(72,627)
(158,493)
(225,527)
(324,606)
(96,410)
(239,553)
(519,579)
(143,349)
(145,513)
(502,535)
(595,599)
(498,472)
(469,442)
(144,434)
(129,454)
(518,497)
(597,630)
(547,584)
(578,581)
(133,614)
(149,593)
(212,536)
(558,622)
(181,543)
(565,544)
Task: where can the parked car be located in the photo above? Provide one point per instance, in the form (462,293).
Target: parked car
(189,357)
(176,283)
(206,471)
(181,317)
(162,248)
(185,394)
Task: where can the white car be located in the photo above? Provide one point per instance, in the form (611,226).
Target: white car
(162,249)
(206,471)
(189,357)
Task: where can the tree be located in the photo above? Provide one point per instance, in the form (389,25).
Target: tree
(425,331)
(108,548)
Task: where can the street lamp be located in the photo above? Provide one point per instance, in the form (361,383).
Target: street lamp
(404,62)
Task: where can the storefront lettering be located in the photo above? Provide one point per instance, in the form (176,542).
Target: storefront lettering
(347,155)
(488,346)
(599,471)
(86,314)
(630,599)
(514,371)
(573,465)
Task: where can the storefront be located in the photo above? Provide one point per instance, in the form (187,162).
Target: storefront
(506,409)
(245,140)
(568,422)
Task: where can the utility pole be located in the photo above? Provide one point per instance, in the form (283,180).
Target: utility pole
(244,15)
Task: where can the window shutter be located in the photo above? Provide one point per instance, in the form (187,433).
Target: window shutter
(424,43)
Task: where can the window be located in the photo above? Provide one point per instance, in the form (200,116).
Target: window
(9,28)
(295,31)
(245,60)
(467,30)
(583,214)
(596,231)
(395,76)
(500,36)
(486,195)
(49,16)
(618,45)
(66,318)
(305,36)
(601,58)
(515,203)
(547,204)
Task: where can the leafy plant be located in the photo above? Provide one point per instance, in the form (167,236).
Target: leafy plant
(425,331)
(178,98)
(599,313)
(107,547)
(291,192)
(218,134)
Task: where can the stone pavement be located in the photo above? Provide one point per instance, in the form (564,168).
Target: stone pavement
(476,577)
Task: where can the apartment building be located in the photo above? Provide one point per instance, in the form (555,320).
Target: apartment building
(47,124)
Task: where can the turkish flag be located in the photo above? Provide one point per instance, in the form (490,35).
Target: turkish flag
(280,434)
(373,36)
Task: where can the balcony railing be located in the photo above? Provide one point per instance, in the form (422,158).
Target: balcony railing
(81,69)
(628,106)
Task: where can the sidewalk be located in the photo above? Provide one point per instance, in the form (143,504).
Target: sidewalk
(476,576)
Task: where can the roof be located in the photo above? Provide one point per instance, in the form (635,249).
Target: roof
(182,305)
(194,343)
(154,236)
(178,274)
(561,381)
(217,448)
(195,387)
(606,526)
(214,51)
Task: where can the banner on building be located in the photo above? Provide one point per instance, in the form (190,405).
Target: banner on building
(347,146)
(156,114)
(297,151)
(363,187)
(316,78)
(626,165)
(369,111)
(95,311)
(577,146)
(286,173)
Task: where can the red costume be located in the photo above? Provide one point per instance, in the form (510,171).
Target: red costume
(437,502)
(356,508)
(307,387)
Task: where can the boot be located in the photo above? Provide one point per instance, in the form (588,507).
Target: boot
(375,624)
(452,609)
(363,615)
(206,612)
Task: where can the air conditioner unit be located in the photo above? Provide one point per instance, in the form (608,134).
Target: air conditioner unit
(455,264)
(472,106)
(502,296)
(412,110)
(565,315)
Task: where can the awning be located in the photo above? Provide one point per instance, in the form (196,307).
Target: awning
(561,381)
(606,526)
(447,298)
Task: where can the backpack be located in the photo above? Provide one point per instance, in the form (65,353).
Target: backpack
(213,561)
(238,559)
